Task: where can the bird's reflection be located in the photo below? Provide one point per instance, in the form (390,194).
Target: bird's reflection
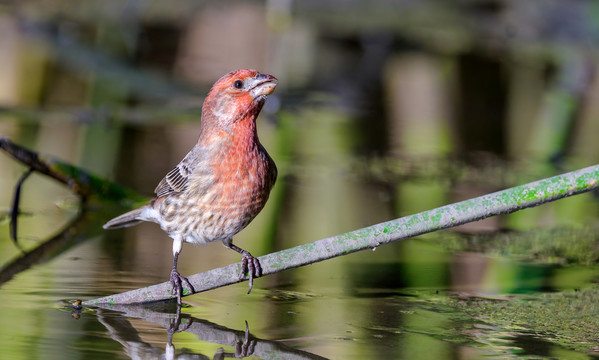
(116,319)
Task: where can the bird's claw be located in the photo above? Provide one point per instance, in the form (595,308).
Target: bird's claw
(176,282)
(245,348)
(175,324)
(251,266)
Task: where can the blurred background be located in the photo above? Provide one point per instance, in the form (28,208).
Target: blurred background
(383,109)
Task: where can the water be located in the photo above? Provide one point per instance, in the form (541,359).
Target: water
(352,307)
(517,286)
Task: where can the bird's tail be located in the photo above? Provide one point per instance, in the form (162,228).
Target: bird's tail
(127,219)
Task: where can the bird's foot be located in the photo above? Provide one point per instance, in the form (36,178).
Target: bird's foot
(251,266)
(246,348)
(177,282)
(243,347)
(175,324)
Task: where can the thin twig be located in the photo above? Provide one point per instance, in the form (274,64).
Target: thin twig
(14,210)
(81,182)
(502,202)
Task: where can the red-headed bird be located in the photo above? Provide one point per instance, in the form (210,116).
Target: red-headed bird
(223,182)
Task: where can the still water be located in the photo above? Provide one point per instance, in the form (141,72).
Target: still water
(452,294)
(331,318)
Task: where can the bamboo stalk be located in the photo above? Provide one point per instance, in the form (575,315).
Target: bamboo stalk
(501,202)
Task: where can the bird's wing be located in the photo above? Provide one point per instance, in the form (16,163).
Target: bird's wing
(177,180)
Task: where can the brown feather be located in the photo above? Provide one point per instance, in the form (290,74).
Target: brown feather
(177,180)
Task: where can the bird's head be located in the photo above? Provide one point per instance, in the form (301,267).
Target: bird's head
(236,96)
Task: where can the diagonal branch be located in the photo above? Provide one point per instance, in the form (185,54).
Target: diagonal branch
(81,182)
(502,202)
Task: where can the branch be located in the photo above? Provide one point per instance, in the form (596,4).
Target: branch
(502,202)
(78,180)
(117,319)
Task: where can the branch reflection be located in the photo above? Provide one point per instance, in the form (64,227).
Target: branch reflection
(116,319)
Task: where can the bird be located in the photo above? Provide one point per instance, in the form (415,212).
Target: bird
(222,183)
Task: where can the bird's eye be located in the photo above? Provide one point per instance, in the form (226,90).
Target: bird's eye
(238,84)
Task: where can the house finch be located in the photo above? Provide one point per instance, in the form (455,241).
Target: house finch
(223,182)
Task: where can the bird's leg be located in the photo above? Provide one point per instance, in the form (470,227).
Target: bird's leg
(249,264)
(173,328)
(176,278)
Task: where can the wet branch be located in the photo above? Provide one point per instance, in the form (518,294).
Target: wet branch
(14,211)
(502,202)
(86,185)
(78,180)
(117,319)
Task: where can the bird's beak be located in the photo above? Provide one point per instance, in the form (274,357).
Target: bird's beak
(262,85)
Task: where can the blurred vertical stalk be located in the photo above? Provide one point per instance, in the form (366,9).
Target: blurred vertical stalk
(562,104)
(526,90)
(322,198)
(22,66)
(418,106)
(419,128)
(561,111)
(99,141)
(11,45)
(584,141)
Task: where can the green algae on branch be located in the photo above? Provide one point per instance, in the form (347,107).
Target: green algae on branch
(501,202)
